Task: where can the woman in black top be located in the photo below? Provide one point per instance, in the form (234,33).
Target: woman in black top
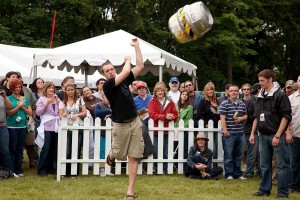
(208,110)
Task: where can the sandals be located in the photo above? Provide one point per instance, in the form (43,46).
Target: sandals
(130,196)
(110,161)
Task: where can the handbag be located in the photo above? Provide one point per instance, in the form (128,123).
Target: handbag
(30,124)
(148,146)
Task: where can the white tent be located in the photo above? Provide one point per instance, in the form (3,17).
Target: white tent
(15,58)
(86,56)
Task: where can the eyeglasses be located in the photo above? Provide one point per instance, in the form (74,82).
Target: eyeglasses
(174,82)
(246,89)
(189,85)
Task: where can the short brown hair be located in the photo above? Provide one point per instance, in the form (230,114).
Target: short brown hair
(8,74)
(46,86)
(66,80)
(267,73)
(101,67)
(160,86)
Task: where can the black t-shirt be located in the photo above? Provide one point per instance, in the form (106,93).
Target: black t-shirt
(120,99)
(7,91)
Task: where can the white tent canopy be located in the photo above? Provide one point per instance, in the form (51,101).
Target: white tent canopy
(87,55)
(15,58)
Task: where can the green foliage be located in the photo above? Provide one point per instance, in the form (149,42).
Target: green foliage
(247,35)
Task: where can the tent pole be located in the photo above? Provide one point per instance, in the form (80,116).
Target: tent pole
(86,76)
(34,72)
(160,73)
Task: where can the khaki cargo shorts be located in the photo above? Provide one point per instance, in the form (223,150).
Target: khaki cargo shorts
(127,139)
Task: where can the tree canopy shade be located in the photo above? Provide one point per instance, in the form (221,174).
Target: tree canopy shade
(247,35)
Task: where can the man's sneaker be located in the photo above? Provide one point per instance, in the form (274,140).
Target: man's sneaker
(21,175)
(242,178)
(102,172)
(16,176)
(229,178)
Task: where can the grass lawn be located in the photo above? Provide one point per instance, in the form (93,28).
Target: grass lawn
(154,187)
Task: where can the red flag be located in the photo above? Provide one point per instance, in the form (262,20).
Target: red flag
(53,27)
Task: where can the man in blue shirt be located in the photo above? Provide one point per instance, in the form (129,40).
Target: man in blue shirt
(142,100)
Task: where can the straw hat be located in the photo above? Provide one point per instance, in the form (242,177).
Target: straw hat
(201,135)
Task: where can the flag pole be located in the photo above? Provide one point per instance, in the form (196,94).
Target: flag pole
(53,28)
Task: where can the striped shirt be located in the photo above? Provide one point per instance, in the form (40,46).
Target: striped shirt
(228,108)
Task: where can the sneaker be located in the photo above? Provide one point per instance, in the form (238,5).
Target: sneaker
(229,178)
(21,175)
(242,178)
(102,172)
(16,176)
(110,174)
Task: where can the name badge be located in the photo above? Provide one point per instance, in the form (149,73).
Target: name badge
(262,117)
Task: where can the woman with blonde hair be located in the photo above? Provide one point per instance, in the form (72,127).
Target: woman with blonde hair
(162,108)
(208,110)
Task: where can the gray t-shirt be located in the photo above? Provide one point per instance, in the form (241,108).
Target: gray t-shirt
(2,111)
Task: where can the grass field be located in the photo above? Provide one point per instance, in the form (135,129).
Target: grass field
(154,187)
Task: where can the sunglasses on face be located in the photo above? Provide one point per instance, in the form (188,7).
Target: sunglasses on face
(189,85)
(174,82)
(246,89)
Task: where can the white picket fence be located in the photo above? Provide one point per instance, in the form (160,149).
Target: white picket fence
(175,134)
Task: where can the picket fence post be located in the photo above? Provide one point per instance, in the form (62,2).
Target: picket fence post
(175,136)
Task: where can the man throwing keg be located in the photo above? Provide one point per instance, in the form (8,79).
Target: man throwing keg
(127,127)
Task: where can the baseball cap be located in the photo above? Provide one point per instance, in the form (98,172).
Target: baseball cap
(174,78)
(141,84)
(289,83)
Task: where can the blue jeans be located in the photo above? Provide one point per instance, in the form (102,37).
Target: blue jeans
(5,159)
(251,154)
(49,153)
(233,147)
(69,150)
(266,150)
(295,164)
(165,150)
(17,138)
(36,147)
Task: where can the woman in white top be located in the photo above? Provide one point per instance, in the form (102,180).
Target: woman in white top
(73,108)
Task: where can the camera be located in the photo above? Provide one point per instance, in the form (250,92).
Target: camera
(18,119)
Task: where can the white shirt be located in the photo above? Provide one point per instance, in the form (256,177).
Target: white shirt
(295,104)
(174,95)
(97,94)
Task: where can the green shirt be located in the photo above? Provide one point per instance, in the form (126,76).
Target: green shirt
(185,114)
(11,120)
